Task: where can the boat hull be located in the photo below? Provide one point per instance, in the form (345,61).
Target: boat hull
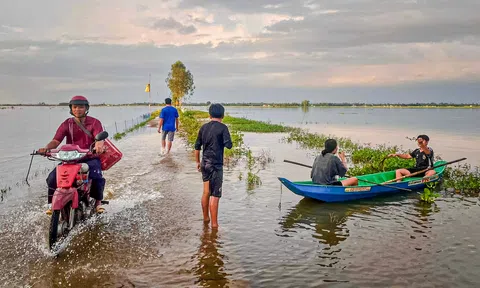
(329,193)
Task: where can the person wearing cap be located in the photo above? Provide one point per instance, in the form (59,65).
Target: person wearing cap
(70,129)
(327,167)
(213,137)
(168,125)
(423,156)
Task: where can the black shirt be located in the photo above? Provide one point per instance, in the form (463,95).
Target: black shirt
(214,137)
(422,160)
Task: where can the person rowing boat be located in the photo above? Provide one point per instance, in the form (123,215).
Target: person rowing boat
(423,156)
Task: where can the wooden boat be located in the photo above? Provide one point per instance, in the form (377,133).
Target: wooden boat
(329,193)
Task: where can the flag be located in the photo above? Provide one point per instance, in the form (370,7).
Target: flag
(147,89)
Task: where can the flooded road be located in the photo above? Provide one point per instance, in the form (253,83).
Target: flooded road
(153,234)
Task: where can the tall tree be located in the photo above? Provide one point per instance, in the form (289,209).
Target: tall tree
(180,82)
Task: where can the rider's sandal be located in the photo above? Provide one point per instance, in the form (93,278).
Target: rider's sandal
(99,209)
(49,211)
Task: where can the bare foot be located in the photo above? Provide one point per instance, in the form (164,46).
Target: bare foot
(214,226)
(206,221)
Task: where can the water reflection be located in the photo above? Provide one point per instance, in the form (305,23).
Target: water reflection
(327,220)
(210,267)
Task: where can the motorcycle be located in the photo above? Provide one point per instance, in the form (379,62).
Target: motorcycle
(71,202)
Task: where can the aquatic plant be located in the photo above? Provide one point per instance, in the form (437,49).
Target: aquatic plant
(429,194)
(189,126)
(247,125)
(463,179)
(252,179)
(315,141)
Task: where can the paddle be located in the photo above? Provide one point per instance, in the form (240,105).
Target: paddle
(424,170)
(366,181)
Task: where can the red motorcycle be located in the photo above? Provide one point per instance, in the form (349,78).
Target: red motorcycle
(71,202)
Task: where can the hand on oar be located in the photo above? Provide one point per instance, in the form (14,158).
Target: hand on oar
(424,170)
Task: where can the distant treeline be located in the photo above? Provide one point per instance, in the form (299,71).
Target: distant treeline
(304,103)
(344,104)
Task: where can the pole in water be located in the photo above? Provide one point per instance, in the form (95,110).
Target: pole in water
(149,98)
(280,203)
(30,166)
(116,129)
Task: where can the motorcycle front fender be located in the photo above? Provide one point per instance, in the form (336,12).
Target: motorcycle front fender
(62,196)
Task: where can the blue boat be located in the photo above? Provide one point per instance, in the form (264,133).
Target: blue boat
(329,193)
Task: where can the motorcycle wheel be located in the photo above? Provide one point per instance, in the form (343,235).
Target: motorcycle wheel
(53,233)
(58,224)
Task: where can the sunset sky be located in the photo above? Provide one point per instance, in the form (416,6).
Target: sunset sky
(240,51)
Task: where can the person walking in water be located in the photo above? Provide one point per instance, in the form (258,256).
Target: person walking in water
(168,125)
(213,137)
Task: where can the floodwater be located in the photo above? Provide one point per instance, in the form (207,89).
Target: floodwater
(152,234)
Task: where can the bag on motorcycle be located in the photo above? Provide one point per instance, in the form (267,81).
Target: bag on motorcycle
(111,155)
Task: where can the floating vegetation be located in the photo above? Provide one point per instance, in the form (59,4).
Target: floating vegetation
(463,179)
(429,194)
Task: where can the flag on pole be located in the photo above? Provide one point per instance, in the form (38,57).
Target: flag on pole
(147,89)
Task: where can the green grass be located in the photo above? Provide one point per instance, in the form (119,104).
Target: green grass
(247,125)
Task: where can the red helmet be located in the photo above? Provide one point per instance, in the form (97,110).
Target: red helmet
(79,100)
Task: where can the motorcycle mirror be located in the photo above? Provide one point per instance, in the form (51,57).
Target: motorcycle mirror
(101,136)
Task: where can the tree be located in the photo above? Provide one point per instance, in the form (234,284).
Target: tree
(180,82)
(305,105)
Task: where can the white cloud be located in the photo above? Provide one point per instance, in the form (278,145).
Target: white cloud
(108,44)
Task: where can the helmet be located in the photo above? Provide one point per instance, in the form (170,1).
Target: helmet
(79,100)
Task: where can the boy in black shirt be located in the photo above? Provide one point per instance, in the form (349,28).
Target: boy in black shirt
(214,137)
(423,159)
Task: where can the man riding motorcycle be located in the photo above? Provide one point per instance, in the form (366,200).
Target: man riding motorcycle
(71,128)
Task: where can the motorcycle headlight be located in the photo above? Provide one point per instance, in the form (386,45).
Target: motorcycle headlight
(68,155)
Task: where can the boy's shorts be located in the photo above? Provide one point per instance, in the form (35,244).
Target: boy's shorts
(414,170)
(215,176)
(170,134)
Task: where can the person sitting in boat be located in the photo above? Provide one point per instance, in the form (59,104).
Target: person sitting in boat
(327,167)
(423,159)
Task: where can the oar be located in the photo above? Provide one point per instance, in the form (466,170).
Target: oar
(366,181)
(424,170)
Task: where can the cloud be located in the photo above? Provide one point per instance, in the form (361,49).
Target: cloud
(12,29)
(172,24)
(264,45)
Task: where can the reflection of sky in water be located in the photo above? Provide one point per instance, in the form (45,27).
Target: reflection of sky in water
(456,121)
(448,146)
(454,133)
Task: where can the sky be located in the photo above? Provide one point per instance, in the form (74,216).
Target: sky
(368,51)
